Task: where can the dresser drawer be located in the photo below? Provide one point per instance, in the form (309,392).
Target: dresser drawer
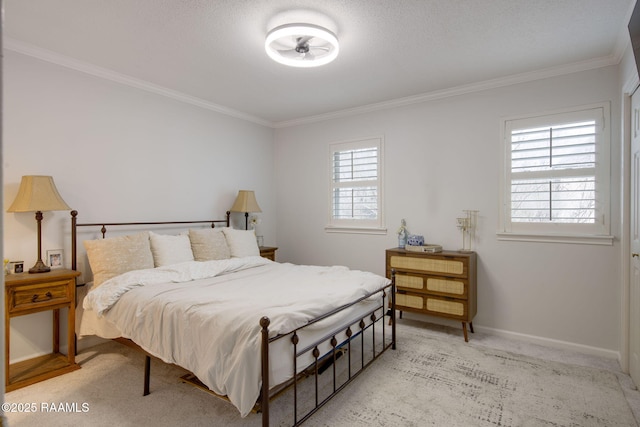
(452,267)
(423,283)
(40,295)
(430,304)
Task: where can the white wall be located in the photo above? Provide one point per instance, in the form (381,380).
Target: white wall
(444,156)
(118,154)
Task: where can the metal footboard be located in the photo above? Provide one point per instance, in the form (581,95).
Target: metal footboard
(366,326)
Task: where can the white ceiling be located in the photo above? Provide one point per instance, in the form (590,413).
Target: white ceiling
(211,52)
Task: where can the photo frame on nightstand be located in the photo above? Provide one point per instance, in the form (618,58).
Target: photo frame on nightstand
(55,258)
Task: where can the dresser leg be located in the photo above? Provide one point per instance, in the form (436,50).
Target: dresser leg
(471,327)
(464,330)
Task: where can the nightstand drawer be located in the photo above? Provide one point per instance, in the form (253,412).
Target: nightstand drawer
(42,295)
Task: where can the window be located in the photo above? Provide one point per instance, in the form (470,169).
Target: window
(356,186)
(556,177)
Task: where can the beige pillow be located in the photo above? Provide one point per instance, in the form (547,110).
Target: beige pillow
(209,244)
(169,250)
(116,255)
(241,242)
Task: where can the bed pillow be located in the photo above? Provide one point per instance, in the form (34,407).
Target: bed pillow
(241,242)
(209,244)
(116,255)
(168,249)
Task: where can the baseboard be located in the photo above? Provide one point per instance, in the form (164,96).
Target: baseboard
(532,339)
(549,342)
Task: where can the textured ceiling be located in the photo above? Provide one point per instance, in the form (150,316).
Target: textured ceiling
(213,50)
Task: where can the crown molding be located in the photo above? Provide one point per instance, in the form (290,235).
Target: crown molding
(459,90)
(84,67)
(104,73)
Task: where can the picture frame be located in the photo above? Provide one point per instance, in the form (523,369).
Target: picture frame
(55,258)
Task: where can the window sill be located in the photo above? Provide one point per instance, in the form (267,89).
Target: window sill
(355,230)
(557,238)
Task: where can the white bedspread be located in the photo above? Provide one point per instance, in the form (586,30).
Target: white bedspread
(204,316)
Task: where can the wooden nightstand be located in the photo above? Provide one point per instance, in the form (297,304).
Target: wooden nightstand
(32,293)
(268,252)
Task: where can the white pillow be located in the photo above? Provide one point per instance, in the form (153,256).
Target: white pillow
(116,255)
(241,242)
(168,250)
(209,244)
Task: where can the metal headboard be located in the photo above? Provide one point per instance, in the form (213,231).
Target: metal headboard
(103,229)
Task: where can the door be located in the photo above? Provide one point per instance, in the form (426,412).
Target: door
(634,274)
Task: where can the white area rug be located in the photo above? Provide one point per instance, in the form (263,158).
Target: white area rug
(427,381)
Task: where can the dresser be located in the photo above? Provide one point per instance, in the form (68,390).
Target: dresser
(32,293)
(439,284)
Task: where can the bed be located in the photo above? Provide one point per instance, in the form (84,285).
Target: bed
(245,327)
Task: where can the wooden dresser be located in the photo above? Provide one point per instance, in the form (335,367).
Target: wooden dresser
(439,284)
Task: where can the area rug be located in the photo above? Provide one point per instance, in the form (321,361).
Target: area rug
(430,380)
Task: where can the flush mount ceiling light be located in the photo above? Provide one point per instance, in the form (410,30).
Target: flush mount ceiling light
(301,45)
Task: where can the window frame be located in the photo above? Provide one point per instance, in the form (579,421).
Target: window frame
(357,226)
(591,233)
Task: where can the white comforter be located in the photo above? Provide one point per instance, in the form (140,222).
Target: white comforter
(204,316)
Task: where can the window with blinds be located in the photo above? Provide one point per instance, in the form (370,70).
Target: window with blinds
(556,173)
(356,176)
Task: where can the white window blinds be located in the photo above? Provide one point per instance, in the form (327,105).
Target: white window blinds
(556,178)
(356,172)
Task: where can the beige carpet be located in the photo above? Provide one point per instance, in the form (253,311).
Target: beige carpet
(430,380)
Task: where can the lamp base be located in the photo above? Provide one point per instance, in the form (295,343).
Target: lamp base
(39,268)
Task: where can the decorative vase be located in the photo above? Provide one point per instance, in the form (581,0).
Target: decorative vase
(402,240)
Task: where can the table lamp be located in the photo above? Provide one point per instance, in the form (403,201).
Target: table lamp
(245,202)
(38,194)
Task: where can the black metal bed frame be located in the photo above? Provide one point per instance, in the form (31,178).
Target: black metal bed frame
(320,361)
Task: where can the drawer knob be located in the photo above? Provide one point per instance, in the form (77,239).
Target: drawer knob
(34,298)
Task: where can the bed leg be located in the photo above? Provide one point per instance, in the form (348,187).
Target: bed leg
(393,309)
(264,323)
(147,372)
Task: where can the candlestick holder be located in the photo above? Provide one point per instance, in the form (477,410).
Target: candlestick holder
(467,225)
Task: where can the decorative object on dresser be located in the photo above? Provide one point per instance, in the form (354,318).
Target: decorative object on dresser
(38,194)
(268,252)
(245,202)
(403,233)
(26,294)
(439,284)
(467,225)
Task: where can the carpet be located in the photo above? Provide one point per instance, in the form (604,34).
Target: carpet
(428,381)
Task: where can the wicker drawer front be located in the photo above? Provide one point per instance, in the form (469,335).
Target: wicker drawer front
(409,301)
(410,282)
(26,297)
(450,308)
(444,266)
(454,287)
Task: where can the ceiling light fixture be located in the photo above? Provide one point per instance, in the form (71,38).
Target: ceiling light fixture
(302,45)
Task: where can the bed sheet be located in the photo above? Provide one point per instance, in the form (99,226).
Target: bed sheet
(210,325)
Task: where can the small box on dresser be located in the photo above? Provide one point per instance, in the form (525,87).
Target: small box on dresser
(442,284)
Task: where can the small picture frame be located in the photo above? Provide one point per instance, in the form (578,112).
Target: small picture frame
(55,258)
(15,267)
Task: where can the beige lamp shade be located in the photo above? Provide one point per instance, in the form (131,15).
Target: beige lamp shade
(245,202)
(38,193)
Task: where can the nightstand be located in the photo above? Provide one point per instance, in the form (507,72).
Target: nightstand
(32,293)
(268,252)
